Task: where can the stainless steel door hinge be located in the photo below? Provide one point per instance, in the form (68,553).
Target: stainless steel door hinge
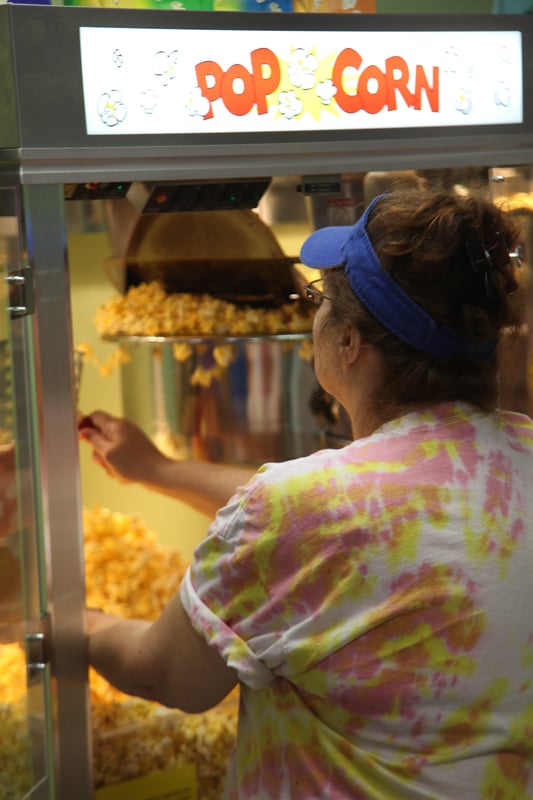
(38,647)
(20,292)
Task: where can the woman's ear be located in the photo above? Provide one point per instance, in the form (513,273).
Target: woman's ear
(351,344)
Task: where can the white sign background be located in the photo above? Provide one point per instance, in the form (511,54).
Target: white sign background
(144,81)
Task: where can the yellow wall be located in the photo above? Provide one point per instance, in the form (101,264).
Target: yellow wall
(176,525)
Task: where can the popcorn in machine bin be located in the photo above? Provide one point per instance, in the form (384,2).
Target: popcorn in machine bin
(158,175)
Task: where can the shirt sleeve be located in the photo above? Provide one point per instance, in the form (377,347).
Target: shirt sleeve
(281,580)
(225,597)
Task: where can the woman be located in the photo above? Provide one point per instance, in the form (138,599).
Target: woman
(373,602)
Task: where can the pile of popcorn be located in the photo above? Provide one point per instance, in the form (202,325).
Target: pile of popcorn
(134,738)
(15,760)
(148,310)
(127,573)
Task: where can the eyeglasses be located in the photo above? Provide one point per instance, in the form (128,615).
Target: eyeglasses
(313,292)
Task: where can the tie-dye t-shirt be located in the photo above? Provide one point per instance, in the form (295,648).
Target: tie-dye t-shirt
(377,603)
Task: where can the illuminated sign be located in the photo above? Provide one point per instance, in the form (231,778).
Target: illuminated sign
(160,81)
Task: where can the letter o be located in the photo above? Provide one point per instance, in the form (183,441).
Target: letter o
(372,102)
(238,104)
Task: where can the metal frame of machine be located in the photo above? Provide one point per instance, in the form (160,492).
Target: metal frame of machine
(45,147)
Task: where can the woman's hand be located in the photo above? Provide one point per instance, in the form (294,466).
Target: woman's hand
(128,455)
(120,447)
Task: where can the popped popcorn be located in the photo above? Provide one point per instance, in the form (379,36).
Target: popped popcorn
(15,760)
(127,573)
(149,738)
(223,354)
(182,351)
(204,376)
(148,310)
(85,354)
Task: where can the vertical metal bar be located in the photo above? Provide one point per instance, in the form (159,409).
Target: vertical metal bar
(61,495)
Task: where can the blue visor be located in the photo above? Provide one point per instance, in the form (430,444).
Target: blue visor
(349,246)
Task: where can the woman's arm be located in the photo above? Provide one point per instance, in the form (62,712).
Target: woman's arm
(165,661)
(128,455)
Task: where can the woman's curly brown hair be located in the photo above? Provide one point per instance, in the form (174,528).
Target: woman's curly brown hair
(450,254)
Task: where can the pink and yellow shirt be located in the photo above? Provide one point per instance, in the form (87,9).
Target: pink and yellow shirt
(377,604)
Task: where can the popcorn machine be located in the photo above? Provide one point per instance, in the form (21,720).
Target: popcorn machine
(186,112)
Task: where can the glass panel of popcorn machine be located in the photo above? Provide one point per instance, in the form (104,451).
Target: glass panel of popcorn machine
(24,749)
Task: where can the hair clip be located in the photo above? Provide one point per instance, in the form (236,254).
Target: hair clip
(516,256)
(495,256)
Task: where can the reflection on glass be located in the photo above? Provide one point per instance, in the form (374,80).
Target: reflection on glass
(16,770)
(15,761)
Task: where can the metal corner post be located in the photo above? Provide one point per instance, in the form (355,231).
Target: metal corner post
(61,494)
